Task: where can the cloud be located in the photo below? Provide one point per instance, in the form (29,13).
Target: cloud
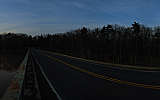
(63,15)
(79,5)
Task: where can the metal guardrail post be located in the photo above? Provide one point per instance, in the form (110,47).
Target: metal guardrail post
(34,77)
(28,87)
(24,64)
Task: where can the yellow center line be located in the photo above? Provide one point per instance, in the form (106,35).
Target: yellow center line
(110,65)
(105,77)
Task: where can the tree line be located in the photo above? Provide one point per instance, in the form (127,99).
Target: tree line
(136,44)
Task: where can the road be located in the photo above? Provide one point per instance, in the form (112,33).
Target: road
(79,79)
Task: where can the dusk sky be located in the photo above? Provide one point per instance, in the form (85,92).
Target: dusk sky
(52,16)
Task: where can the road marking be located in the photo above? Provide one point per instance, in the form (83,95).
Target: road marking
(110,65)
(49,83)
(105,77)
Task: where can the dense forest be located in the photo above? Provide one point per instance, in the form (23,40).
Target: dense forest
(135,45)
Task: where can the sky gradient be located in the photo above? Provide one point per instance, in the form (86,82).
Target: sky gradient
(54,16)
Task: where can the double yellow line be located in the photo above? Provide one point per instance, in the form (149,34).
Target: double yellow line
(105,77)
(110,65)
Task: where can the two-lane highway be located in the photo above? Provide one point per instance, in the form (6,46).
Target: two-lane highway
(77,79)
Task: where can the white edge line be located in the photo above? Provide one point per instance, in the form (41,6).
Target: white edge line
(53,89)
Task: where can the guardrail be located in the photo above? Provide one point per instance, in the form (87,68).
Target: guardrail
(24,64)
(28,87)
(16,86)
(47,90)
(36,84)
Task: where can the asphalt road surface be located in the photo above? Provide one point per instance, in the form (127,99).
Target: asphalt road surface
(78,79)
